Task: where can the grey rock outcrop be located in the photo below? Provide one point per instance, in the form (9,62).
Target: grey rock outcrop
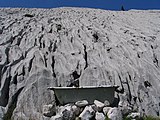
(41,48)
(49,110)
(87,113)
(114,114)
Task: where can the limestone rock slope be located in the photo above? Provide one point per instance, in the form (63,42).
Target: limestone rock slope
(41,48)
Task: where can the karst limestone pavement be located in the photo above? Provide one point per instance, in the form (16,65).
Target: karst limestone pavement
(41,48)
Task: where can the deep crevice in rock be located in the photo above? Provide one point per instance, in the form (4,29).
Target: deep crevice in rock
(3,67)
(147,84)
(23,71)
(53,62)
(120,90)
(129,91)
(75,75)
(40,38)
(45,61)
(50,46)
(5,92)
(15,79)
(12,105)
(44,44)
(55,46)
(17,61)
(30,64)
(85,56)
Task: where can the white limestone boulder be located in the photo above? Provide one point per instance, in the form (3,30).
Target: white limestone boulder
(99,105)
(114,114)
(87,113)
(99,116)
(106,109)
(76,110)
(82,103)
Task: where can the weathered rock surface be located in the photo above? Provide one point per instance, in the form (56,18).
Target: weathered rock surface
(106,109)
(114,114)
(99,105)
(99,116)
(49,110)
(2,111)
(56,117)
(134,116)
(41,48)
(82,103)
(76,110)
(87,113)
(106,103)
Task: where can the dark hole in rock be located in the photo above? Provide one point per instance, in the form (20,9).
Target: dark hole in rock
(28,15)
(89,28)
(95,35)
(147,84)
(135,99)
(109,49)
(72,53)
(138,55)
(75,75)
(59,27)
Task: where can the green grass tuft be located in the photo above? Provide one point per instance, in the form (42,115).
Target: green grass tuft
(151,118)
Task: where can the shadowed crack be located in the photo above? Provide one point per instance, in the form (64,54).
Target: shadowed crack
(53,62)
(85,56)
(75,75)
(28,15)
(30,64)
(13,38)
(5,92)
(120,90)
(12,105)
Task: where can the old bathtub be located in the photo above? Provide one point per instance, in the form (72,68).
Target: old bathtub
(90,93)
